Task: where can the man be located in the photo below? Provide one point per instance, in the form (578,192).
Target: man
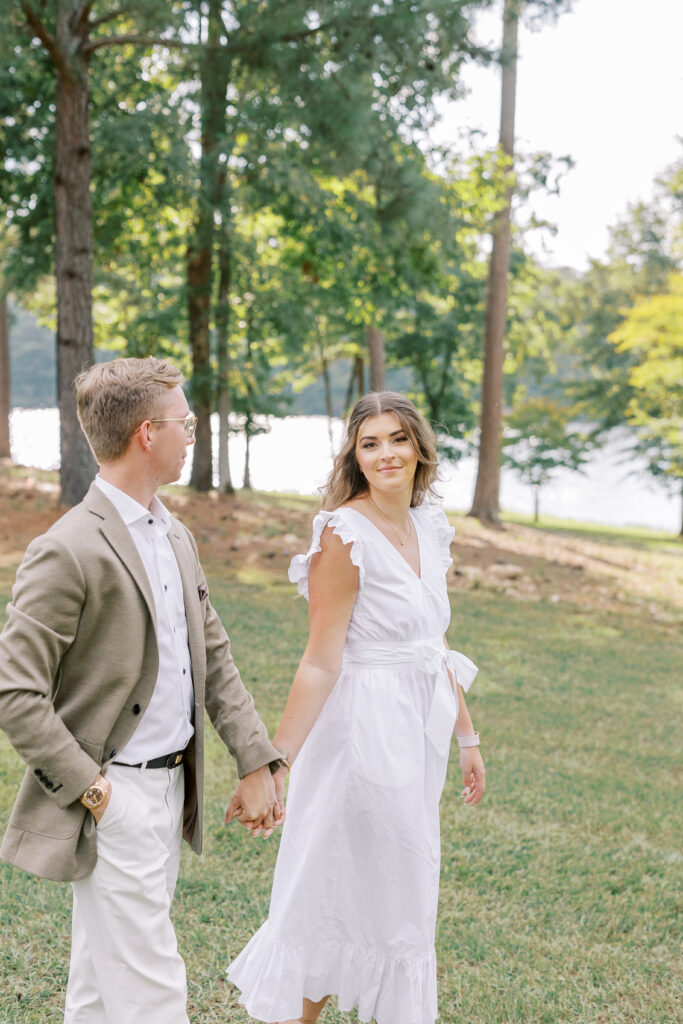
(110,654)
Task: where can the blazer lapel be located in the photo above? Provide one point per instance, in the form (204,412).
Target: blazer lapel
(118,535)
(193,610)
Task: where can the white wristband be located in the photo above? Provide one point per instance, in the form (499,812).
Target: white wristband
(469,741)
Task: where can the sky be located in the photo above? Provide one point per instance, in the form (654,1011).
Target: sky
(604,85)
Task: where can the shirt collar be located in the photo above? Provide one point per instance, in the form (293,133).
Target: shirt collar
(130,510)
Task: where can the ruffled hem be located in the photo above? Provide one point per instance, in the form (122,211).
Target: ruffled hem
(275,978)
(300,565)
(443,530)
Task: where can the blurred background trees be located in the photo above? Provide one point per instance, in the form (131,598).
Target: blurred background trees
(260,201)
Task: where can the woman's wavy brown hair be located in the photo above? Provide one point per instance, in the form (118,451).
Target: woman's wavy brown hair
(346,480)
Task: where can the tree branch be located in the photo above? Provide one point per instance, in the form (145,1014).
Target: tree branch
(171,44)
(84,15)
(288,37)
(126,9)
(46,37)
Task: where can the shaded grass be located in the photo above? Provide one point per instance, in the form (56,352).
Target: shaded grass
(560,898)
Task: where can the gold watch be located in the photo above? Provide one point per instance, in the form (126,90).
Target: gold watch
(96,794)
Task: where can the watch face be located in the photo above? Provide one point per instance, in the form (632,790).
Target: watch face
(94,796)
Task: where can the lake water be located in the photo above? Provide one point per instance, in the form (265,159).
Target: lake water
(294,455)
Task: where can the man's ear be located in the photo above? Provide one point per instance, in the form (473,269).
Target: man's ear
(142,435)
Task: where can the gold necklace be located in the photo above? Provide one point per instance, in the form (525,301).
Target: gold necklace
(388,520)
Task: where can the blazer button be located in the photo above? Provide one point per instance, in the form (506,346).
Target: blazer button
(136,709)
(38,772)
(49,785)
(112,754)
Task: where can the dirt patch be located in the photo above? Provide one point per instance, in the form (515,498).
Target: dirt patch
(531,564)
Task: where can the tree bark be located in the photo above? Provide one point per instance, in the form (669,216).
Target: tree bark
(73,249)
(214,75)
(198,303)
(223,392)
(5,396)
(376,346)
(246,484)
(485,505)
(359,367)
(325,374)
(348,401)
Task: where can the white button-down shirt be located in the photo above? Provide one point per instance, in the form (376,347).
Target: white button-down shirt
(166,723)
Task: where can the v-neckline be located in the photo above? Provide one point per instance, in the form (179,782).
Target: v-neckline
(418,576)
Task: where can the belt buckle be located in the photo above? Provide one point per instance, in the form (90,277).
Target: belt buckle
(177,759)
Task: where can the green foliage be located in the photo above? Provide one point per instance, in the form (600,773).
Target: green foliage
(652,334)
(642,255)
(538,440)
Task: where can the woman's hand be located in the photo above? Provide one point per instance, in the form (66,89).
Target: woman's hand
(473,775)
(279,780)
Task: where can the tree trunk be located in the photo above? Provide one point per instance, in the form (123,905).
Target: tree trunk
(359,367)
(348,400)
(537,497)
(247,453)
(74,253)
(224,394)
(5,397)
(485,505)
(214,75)
(198,268)
(681,533)
(375,341)
(325,374)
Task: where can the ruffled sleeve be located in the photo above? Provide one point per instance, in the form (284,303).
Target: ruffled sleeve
(443,530)
(300,565)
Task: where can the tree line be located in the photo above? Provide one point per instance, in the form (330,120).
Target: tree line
(250,189)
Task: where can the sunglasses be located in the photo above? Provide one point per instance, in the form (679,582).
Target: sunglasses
(189,423)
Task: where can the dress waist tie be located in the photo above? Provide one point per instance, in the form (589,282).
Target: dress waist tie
(437,661)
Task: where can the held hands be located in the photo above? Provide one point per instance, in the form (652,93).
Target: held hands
(473,775)
(258,802)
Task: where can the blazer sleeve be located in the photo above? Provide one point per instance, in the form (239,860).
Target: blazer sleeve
(43,616)
(229,704)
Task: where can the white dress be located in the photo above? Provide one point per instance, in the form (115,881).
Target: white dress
(353,906)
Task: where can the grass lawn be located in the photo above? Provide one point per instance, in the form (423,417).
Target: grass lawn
(561,893)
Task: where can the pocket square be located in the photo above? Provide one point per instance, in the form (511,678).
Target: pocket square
(203,591)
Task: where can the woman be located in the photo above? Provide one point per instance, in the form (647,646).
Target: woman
(367,728)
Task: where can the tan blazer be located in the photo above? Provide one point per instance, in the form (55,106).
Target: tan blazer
(78,664)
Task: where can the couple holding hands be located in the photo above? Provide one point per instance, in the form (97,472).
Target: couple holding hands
(112,652)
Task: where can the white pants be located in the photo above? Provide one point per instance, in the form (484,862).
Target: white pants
(125,966)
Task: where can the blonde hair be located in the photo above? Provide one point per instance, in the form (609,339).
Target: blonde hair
(346,480)
(114,398)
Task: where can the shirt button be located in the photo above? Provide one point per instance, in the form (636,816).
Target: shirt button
(151,522)
(184,671)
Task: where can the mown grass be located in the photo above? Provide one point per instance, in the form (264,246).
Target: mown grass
(561,894)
